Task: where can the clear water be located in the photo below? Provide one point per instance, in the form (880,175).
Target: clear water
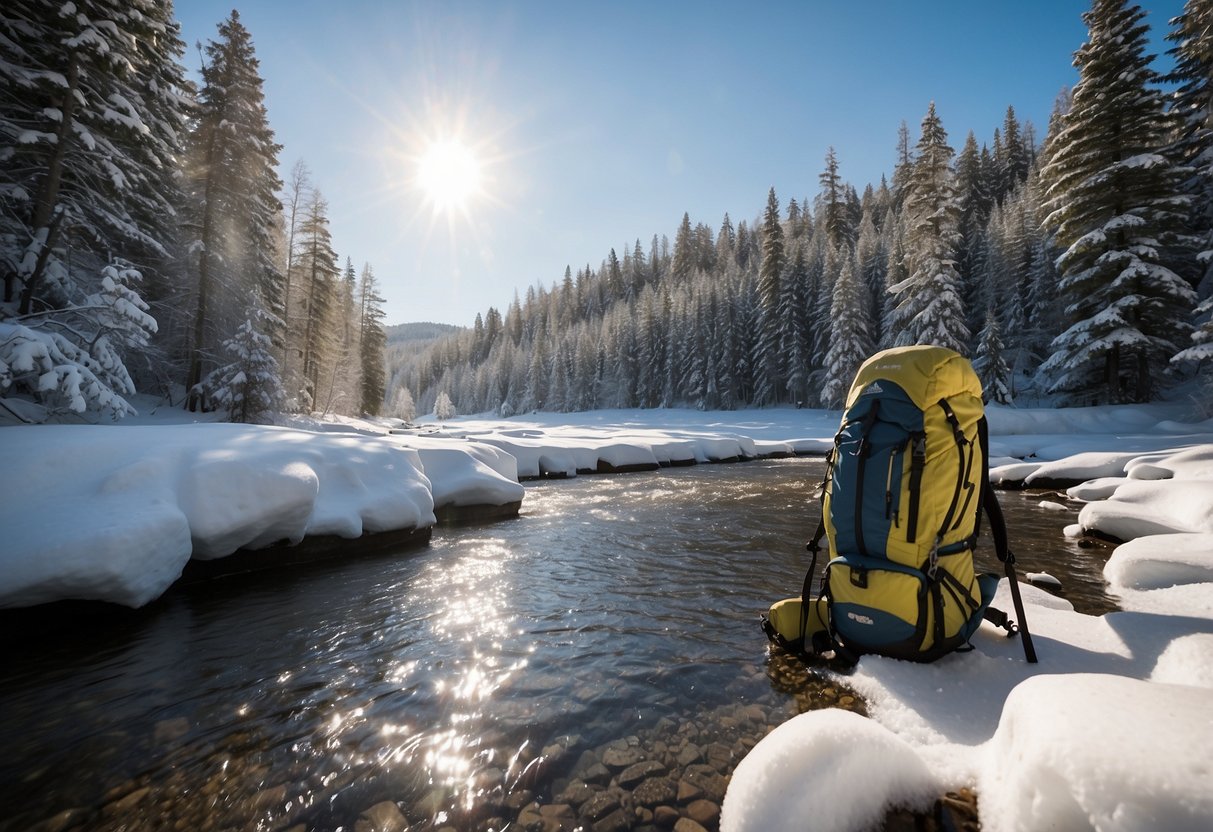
(433,678)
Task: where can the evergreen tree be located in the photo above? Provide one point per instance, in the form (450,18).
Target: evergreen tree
(1192,104)
(1115,209)
(443,407)
(231,174)
(832,203)
(929,305)
(1014,164)
(797,338)
(989,363)
(403,407)
(318,274)
(850,336)
(92,107)
(684,253)
(768,378)
(372,341)
(248,387)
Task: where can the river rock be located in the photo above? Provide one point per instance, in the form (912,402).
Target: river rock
(701,781)
(600,805)
(619,757)
(637,772)
(720,756)
(616,821)
(665,816)
(518,798)
(688,825)
(655,791)
(382,817)
(575,793)
(704,812)
(689,754)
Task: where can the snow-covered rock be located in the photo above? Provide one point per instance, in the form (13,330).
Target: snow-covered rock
(828,770)
(1096,751)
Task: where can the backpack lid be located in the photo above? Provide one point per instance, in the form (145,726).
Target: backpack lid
(926,373)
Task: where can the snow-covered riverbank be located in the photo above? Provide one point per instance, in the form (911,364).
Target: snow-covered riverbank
(115,512)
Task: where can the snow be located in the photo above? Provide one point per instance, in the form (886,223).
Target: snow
(1113,728)
(847,753)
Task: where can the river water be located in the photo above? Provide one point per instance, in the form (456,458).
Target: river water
(459,681)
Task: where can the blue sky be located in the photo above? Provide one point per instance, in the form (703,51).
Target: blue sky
(595,124)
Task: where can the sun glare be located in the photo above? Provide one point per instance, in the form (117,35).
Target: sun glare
(449,175)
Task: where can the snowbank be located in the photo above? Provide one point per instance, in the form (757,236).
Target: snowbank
(113,513)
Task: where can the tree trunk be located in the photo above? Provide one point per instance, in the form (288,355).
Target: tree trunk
(194,375)
(44,214)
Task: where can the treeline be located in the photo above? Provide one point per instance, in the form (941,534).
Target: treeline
(1076,267)
(147,242)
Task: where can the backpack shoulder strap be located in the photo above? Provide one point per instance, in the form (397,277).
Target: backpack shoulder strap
(1002,547)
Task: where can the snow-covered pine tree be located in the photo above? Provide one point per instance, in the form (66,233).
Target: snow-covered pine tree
(797,337)
(92,105)
(371,344)
(872,261)
(249,386)
(1192,104)
(403,407)
(850,335)
(443,407)
(345,384)
(989,363)
(231,173)
(929,305)
(1015,159)
(768,380)
(1115,210)
(832,204)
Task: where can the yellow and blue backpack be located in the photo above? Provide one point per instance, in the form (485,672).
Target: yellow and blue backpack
(905,486)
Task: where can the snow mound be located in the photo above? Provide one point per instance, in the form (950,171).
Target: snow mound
(1159,561)
(1066,757)
(829,771)
(1083,466)
(1187,661)
(1143,507)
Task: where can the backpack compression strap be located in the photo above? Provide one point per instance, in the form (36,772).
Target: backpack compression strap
(998,530)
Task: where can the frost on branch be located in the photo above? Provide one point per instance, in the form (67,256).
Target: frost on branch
(69,360)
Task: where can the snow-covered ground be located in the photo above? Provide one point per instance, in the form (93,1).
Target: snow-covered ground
(1113,729)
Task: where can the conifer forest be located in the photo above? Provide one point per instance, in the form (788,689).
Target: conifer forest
(148,243)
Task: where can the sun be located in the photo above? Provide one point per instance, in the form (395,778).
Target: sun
(448,173)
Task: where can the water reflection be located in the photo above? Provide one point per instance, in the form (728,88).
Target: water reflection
(447,682)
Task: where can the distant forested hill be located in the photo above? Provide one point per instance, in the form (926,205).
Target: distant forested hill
(421,331)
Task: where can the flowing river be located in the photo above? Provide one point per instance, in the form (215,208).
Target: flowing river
(503,676)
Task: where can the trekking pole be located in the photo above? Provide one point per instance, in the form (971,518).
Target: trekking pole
(1029,650)
(998,528)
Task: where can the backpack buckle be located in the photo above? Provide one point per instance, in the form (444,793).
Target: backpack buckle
(859,578)
(933,558)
